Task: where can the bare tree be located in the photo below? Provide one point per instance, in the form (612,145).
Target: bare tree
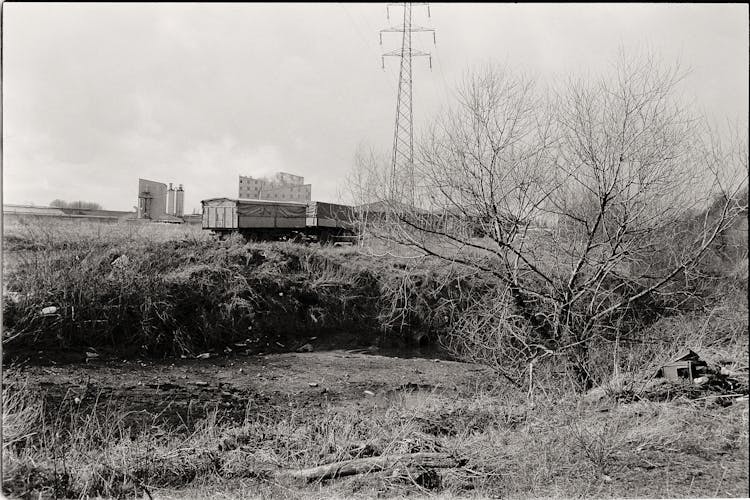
(572,203)
(369,187)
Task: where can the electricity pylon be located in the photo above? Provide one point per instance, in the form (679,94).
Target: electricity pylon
(402,183)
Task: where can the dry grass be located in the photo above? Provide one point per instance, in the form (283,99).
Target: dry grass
(52,231)
(551,448)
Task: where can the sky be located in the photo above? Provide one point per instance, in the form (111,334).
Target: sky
(97,95)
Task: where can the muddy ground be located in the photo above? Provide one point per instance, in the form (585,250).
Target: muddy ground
(179,392)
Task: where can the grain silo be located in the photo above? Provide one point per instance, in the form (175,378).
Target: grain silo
(180,205)
(170,200)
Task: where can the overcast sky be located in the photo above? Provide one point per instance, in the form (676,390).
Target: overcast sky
(97,95)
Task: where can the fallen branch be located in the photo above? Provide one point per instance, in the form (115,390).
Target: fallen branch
(373,464)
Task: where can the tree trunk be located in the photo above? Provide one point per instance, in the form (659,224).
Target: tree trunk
(373,464)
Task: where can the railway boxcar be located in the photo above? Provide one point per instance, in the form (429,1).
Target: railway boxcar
(273,220)
(259,219)
(329,221)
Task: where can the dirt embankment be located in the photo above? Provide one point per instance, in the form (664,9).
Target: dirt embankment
(154,299)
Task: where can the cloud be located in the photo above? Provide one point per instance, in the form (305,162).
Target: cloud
(96,95)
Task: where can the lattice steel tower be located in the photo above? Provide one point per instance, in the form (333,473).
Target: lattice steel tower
(402,184)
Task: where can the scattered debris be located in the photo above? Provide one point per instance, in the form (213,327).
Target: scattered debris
(313,384)
(49,311)
(200,383)
(369,393)
(306,348)
(686,376)
(205,355)
(121,261)
(684,366)
(700,380)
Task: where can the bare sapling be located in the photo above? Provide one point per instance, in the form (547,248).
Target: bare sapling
(587,204)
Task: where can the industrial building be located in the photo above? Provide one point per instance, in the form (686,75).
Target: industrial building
(281,186)
(160,203)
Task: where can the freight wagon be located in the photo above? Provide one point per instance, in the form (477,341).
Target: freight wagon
(279,220)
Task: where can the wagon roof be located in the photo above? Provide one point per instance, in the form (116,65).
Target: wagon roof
(386,206)
(260,202)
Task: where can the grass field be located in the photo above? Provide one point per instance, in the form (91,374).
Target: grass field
(179,366)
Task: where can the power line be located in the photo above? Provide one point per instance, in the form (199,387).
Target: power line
(362,37)
(448,89)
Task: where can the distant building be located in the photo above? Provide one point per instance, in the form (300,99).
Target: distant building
(156,201)
(18,212)
(281,186)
